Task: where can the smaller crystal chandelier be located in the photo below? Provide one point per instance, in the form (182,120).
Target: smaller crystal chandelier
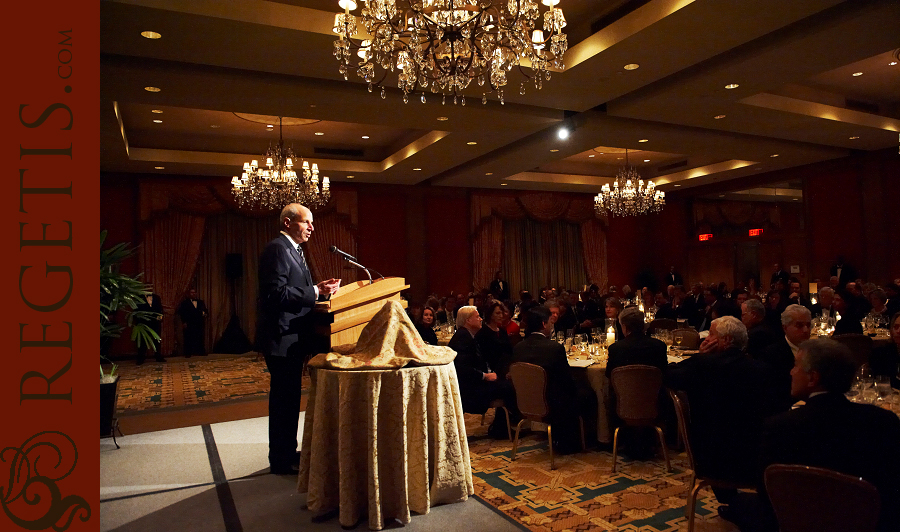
(277,184)
(627,200)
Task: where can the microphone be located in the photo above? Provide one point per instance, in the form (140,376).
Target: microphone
(346,256)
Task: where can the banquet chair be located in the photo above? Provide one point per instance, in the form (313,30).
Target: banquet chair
(637,402)
(690,338)
(841,502)
(683,415)
(497,404)
(661,323)
(530,382)
(860,346)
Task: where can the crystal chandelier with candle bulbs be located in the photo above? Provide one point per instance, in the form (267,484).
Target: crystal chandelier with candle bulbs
(629,196)
(442,45)
(276,184)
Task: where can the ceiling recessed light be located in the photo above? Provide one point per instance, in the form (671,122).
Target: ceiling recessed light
(774,155)
(632,66)
(156,111)
(719,117)
(215,126)
(646,160)
(644,140)
(563,133)
(472,143)
(350,176)
(442,118)
(489,173)
(269,125)
(732,86)
(150,35)
(319,133)
(590,155)
(853,138)
(157,121)
(554,150)
(160,167)
(152,89)
(417,169)
(892,63)
(796,199)
(857,74)
(721,195)
(502,184)
(677,185)
(365,136)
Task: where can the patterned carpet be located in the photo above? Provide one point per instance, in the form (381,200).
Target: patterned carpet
(155,386)
(581,494)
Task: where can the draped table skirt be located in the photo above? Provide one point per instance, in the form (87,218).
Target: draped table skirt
(386,442)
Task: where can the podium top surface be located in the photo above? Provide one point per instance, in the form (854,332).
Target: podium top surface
(360,292)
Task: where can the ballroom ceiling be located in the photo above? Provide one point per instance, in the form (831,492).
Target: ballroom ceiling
(797,100)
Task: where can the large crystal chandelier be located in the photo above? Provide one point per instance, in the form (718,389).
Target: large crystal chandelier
(445,44)
(276,184)
(629,196)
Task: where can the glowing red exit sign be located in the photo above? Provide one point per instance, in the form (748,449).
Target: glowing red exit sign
(706,236)
(756,232)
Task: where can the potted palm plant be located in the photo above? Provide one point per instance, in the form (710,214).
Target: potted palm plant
(120,295)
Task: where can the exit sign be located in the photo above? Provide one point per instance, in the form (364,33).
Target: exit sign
(756,232)
(705,237)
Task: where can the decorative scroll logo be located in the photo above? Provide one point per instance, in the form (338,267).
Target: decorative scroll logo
(32,499)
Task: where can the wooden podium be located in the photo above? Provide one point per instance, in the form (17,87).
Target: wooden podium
(341,319)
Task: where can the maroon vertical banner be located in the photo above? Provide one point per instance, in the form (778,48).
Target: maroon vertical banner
(49,382)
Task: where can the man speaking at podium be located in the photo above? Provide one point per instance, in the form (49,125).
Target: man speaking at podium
(285,331)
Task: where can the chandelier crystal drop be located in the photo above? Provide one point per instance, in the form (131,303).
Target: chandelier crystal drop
(629,196)
(276,184)
(448,43)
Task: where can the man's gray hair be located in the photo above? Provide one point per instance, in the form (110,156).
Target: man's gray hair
(755,306)
(463,314)
(794,312)
(731,326)
(632,320)
(551,303)
(826,290)
(832,360)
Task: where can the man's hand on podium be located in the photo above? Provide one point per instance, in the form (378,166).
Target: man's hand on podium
(329,287)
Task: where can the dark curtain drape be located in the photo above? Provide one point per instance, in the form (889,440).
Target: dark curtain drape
(537,254)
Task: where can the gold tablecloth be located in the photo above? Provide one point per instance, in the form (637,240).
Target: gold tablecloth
(389,442)
(596,377)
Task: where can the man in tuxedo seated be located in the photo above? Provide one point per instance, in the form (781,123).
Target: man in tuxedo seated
(563,398)
(824,303)
(759,335)
(849,322)
(830,432)
(478,382)
(796,322)
(729,395)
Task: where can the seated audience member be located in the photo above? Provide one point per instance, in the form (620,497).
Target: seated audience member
(611,310)
(752,287)
(635,347)
(478,382)
(833,282)
(797,296)
(425,326)
(493,341)
(674,308)
(512,328)
(775,304)
(526,301)
(448,313)
(885,359)
(711,300)
(759,334)
(562,397)
(741,296)
(553,306)
(857,300)
(878,303)
(729,395)
(831,432)
(796,323)
(849,322)
(567,319)
(726,307)
(824,303)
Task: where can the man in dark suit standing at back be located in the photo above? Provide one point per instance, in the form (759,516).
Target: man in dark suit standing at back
(780,275)
(192,312)
(285,329)
(500,288)
(674,278)
(844,272)
(562,397)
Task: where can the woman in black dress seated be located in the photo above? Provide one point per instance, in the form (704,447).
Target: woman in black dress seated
(493,340)
(425,326)
(885,359)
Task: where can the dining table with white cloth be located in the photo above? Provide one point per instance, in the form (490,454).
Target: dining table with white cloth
(385,443)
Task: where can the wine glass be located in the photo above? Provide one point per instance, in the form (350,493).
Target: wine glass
(883,387)
(678,338)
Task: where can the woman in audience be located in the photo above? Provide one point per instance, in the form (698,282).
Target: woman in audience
(751,287)
(775,305)
(612,309)
(885,359)
(493,340)
(425,326)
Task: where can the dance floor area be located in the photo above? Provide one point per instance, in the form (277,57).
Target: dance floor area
(199,462)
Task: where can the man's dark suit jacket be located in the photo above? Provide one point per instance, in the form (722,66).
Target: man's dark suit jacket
(783,275)
(848,274)
(287,296)
(780,358)
(761,336)
(883,360)
(848,324)
(834,433)
(674,279)
(729,395)
(637,348)
(470,369)
(500,289)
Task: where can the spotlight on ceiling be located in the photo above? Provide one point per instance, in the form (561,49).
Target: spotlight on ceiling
(563,133)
